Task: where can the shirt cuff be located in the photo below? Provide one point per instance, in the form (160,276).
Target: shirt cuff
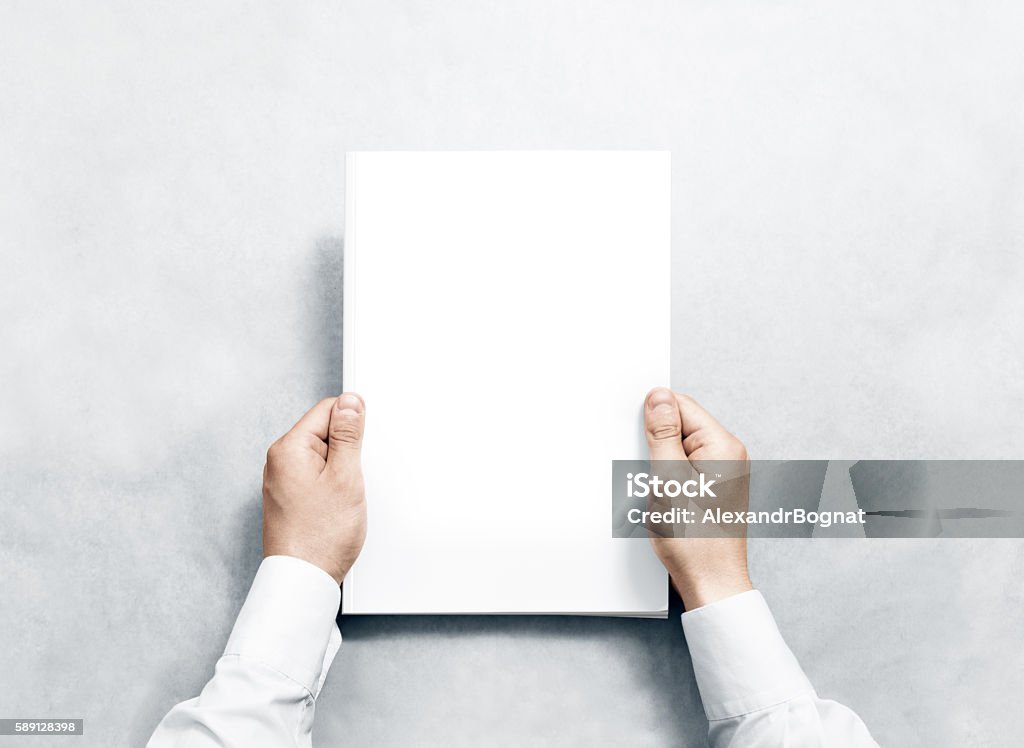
(739,657)
(288,621)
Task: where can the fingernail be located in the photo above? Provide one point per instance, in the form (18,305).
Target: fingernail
(349,402)
(661,399)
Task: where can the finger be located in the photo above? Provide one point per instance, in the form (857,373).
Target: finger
(695,418)
(316,421)
(316,444)
(345,433)
(663,425)
(707,443)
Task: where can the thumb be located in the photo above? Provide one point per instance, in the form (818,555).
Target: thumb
(345,433)
(663,425)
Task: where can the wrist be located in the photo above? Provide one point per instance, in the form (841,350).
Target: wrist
(707,589)
(324,561)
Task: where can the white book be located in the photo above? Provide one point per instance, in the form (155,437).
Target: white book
(504,315)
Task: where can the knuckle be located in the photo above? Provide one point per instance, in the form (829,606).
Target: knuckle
(274,452)
(742,453)
(662,430)
(694,442)
(733,449)
(280,450)
(347,431)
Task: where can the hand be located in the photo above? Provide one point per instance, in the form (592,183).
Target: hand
(703,569)
(314,507)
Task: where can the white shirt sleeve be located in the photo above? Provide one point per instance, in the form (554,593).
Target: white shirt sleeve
(265,685)
(754,691)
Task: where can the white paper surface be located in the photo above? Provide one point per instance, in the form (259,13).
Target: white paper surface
(505,314)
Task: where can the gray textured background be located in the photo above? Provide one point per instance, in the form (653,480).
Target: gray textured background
(847,227)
